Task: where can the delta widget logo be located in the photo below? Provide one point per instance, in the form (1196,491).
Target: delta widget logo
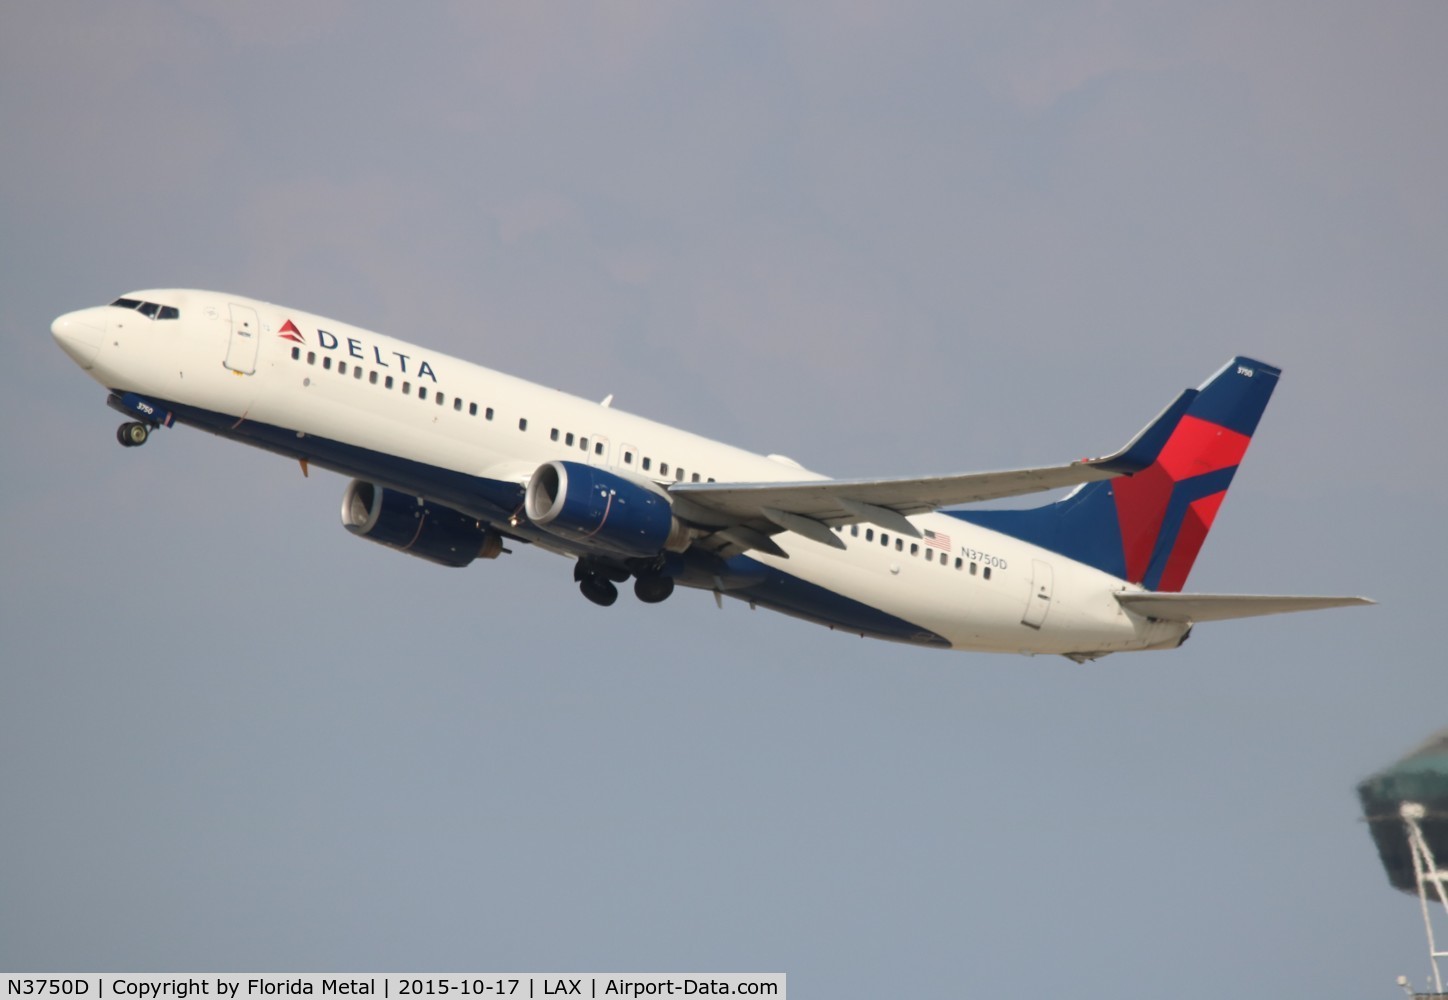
(360,350)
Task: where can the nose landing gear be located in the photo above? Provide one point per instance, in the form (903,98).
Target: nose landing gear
(132,434)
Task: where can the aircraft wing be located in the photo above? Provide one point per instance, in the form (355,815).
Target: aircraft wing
(747,513)
(1220,607)
(832,500)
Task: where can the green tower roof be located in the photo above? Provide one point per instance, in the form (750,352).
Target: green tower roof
(1421,777)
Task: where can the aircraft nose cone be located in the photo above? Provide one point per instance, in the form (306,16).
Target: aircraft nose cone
(79,334)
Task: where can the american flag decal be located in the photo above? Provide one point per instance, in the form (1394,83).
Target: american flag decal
(937,539)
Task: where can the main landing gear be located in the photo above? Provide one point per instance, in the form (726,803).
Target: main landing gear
(599,583)
(598,590)
(597,580)
(132,434)
(653,588)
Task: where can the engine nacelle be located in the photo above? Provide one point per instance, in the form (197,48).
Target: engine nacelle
(412,525)
(603,511)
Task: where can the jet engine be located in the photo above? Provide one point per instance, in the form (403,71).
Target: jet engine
(413,525)
(603,511)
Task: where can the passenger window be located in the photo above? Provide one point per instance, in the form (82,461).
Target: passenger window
(357,372)
(422,394)
(583,443)
(296,354)
(553,434)
(341,368)
(522,423)
(884,539)
(986,573)
(407,388)
(568,439)
(869,534)
(855,530)
(311,357)
(387,382)
(958,562)
(442,398)
(488,414)
(914,548)
(372,378)
(679,475)
(663,468)
(598,447)
(647,463)
(628,458)
(327,361)
(694,478)
(899,545)
(973,568)
(472,409)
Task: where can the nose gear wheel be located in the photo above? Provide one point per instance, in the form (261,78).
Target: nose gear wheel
(132,435)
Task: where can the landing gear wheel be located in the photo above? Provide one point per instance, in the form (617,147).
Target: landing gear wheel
(132,435)
(598,590)
(653,589)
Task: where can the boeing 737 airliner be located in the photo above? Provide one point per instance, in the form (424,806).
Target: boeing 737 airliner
(451,461)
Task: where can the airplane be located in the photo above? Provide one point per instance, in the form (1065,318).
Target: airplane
(452,462)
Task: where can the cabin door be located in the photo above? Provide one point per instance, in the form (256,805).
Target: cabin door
(245,339)
(1039,603)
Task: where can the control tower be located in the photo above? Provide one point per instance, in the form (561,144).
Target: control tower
(1406,806)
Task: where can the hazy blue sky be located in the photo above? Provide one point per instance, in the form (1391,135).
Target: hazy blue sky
(880,238)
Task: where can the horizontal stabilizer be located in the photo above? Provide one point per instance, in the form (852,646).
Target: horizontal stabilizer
(1220,607)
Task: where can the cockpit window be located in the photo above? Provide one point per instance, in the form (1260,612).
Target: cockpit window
(151,309)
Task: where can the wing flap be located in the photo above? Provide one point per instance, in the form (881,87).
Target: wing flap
(1221,607)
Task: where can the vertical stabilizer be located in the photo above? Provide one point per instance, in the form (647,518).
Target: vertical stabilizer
(1147,528)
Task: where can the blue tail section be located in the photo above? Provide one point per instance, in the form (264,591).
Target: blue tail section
(1147,527)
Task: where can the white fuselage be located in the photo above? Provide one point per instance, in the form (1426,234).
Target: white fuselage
(236,360)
